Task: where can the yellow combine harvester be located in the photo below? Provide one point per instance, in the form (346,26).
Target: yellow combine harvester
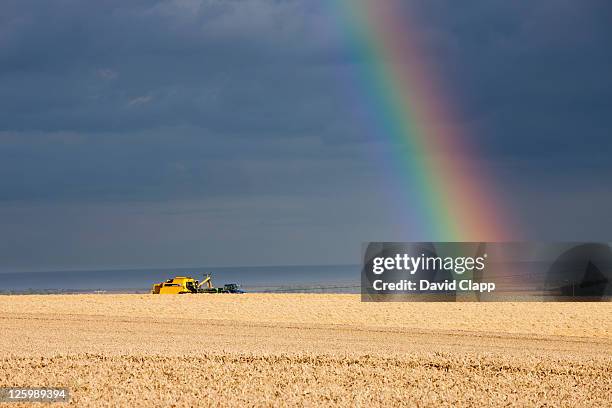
(185,284)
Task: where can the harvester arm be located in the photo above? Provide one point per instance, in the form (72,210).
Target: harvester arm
(207,280)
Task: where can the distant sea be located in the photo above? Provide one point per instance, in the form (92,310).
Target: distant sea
(324,278)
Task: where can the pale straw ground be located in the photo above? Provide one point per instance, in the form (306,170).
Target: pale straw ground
(307,350)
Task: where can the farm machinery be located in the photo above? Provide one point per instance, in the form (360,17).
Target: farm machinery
(184,284)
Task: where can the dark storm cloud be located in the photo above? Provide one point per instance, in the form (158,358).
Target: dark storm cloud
(527,78)
(155,100)
(242,110)
(532,76)
(111,66)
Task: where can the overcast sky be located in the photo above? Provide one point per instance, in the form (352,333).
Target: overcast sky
(187,133)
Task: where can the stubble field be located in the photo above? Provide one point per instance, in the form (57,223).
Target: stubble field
(273,349)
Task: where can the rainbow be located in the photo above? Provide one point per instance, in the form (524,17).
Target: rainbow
(454,201)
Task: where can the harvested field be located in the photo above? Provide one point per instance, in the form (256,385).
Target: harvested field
(267,349)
